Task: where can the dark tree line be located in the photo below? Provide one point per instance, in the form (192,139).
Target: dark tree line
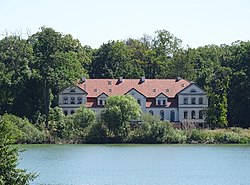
(34,70)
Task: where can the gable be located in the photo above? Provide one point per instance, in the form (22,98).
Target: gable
(192,89)
(133,92)
(161,95)
(73,90)
(103,95)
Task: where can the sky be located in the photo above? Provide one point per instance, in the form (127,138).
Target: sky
(94,22)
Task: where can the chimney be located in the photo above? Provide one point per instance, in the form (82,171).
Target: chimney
(120,80)
(142,79)
(83,79)
(178,79)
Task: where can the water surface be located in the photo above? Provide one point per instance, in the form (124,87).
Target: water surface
(138,164)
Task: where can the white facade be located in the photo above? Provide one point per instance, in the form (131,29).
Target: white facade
(188,105)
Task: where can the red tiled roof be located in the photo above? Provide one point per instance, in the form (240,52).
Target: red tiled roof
(150,88)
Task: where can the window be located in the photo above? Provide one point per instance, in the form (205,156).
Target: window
(193,90)
(172,116)
(95,90)
(200,114)
(109,82)
(162,114)
(100,102)
(167,90)
(159,102)
(193,101)
(185,115)
(110,90)
(200,100)
(163,102)
(72,90)
(185,100)
(182,85)
(65,100)
(79,100)
(154,90)
(72,100)
(65,113)
(151,112)
(193,114)
(139,101)
(72,112)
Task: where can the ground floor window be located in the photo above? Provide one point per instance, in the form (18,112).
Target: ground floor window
(172,115)
(151,112)
(193,114)
(162,114)
(65,113)
(200,114)
(185,114)
(72,112)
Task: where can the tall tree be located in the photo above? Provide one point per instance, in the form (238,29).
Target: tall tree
(57,64)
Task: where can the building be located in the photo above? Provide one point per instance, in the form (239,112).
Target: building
(176,100)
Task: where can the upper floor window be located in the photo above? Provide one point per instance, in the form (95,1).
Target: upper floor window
(185,100)
(101,102)
(72,90)
(109,82)
(79,100)
(193,100)
(95,90)
(72,100)
(185,115)
(163,102)
(159,102)
(65,100)
(110,90)
(139,101)
(200,100)
(193,114)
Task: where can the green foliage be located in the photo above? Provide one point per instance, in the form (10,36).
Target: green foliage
(119,111)
(9,173)
(23,130)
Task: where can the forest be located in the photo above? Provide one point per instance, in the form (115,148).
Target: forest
(35,69)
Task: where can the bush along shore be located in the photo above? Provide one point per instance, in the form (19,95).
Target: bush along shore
(84,127)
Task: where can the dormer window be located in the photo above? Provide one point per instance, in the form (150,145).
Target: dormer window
(72,100)
(159,102)
(163,102)
(72,90)
(101,102)
(65,100)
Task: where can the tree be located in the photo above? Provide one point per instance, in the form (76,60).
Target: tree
(218,87)
(15,57)
(119,110)
(58,63)
(9,173)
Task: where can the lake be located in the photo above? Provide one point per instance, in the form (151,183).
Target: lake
(138,164)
